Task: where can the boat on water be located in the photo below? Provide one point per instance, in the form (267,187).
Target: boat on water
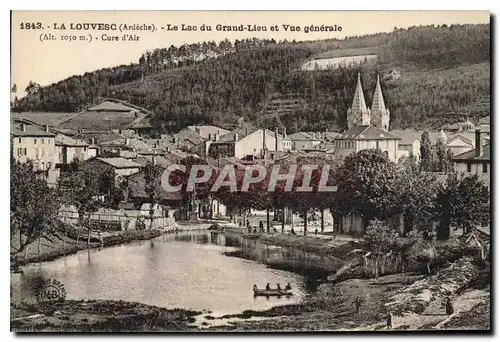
(272,292)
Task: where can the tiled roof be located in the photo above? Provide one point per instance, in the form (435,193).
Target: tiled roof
(471,155)
(137,186)
(111,107)
(300,136)
(407,137)
(119,163)
(68,141)
(43,118)
(100,137)
(367,133)
(205,130)
(30,131)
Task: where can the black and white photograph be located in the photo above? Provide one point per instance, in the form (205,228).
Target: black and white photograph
(250,171)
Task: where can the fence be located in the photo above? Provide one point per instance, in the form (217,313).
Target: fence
(120,219)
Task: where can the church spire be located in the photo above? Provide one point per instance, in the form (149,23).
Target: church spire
(380,114)
(358,114)
(378,98)
(358,103)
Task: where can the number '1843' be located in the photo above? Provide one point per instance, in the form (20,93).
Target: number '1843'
(31,26)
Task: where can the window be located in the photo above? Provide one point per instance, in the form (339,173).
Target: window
(485,168)
(35,141)
(43,141)
(469,167)
(25,151)
(377,145)
(36,152)
(20,140)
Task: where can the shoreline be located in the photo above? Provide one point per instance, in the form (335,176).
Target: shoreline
(55,250)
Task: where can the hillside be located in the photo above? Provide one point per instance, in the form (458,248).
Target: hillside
(430,76)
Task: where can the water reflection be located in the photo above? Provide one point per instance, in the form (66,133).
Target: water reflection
(189,270)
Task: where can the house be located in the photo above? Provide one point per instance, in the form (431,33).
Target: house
(240,143)
(476,161)
(359,138)
(206,131)
(69,149)
(109,114)
(459,143)
(29,142)
(304,141)
(409,144)
(122,167)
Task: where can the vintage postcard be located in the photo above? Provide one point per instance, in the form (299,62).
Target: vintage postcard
(260,171)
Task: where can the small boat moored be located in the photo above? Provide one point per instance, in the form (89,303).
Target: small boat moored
(269,293)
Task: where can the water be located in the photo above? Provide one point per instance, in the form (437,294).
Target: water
(197,270)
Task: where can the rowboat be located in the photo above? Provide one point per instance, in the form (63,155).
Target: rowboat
(272,292)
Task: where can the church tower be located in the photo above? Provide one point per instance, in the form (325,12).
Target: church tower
(358,114)
(381,115)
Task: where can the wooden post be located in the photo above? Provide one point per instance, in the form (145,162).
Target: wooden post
(283,220)
(322,221)
(305,222)
(267,218)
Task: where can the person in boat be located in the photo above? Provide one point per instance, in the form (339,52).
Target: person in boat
(288,287)
(268,287)
(293,232)
(278,287)
(254,287)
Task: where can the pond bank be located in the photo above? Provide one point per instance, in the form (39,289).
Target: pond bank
(99,316)
(59,247)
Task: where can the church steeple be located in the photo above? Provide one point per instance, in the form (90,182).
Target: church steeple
(381,115)
(358,114)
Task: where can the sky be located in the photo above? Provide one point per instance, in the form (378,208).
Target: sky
(48,61)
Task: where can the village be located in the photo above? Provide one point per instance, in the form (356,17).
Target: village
(106,166)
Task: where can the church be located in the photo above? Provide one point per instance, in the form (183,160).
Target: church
(367,128)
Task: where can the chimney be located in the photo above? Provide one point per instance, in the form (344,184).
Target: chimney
(127,141)
(23,127)
(479,143)
(216,136)
(153,160)
(209,136)
(47,128)
(284,132)
(92,141)
(246,131)
(235,136)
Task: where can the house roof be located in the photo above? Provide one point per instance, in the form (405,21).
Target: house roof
(205,130)
(100,137)
(119,163)
(300,136)
(407,137)
(130,143)
(471,155)
(43,118)
(111,107)
(366,133)
(29,131)
(64,140)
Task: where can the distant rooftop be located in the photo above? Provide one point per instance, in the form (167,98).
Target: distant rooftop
(366,133)
(29,131)
(120,163)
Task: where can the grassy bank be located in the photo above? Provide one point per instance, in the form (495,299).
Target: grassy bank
(99,316)
(46,250)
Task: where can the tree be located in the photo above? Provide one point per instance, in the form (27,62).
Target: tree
(425,152)
(34,207)
(416,195)
(366,185)
(462,202)
(83,190)
(380,239)
(152,177)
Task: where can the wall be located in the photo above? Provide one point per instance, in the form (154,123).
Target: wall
(41,150)
(252,144)
(476,169)
(72,153)
(127,218)
(126,172)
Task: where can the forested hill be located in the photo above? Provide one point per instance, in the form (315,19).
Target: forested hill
(430,75)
